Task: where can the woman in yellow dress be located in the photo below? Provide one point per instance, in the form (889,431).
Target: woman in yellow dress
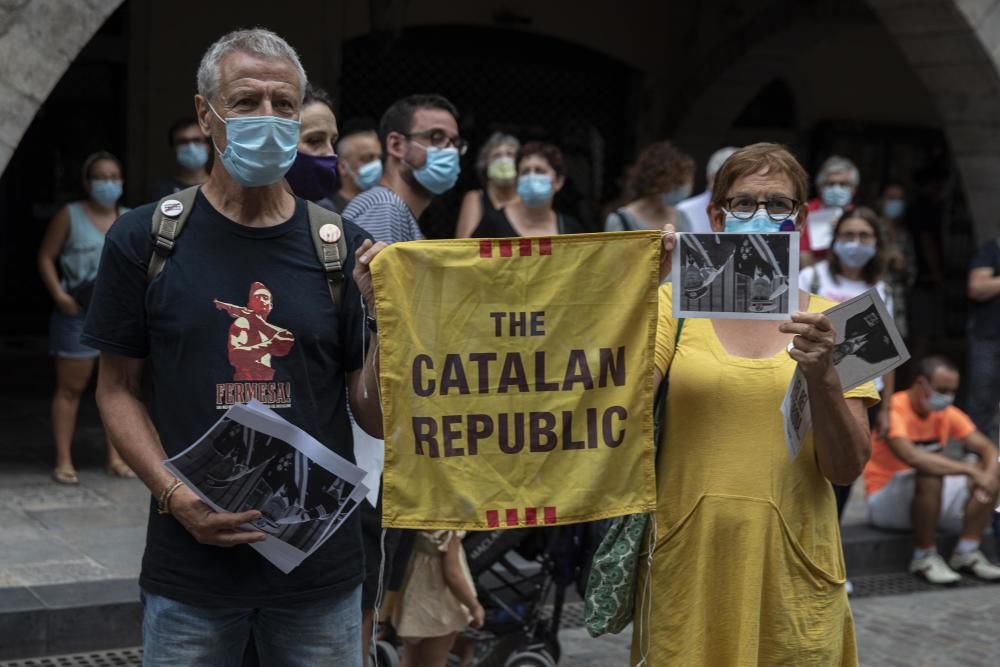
(747,567)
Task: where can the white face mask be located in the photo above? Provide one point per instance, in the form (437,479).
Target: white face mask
(937,401)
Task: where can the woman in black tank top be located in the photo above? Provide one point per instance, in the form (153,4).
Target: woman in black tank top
(540,175)
(497,170)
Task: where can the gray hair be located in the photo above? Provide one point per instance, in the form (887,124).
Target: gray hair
(716,160)
(483,158)
(257,42)
(838,163)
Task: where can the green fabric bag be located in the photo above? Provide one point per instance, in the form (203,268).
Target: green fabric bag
(610,597)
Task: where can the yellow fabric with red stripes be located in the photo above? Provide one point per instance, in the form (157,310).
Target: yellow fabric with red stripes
(516,379)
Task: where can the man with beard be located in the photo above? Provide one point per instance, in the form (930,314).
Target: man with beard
(422,148)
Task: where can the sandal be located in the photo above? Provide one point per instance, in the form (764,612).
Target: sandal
(119,469)
(65,475)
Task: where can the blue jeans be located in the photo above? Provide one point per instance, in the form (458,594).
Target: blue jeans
(325,633)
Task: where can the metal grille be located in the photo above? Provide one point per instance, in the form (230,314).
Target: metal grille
(900,583)
(115,658)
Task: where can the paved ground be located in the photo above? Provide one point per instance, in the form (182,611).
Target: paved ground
(952,628)
(59,534)
(56,534)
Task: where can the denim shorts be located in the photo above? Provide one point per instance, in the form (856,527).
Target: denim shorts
(322,633)
(64,337)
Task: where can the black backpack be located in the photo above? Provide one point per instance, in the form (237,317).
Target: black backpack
(326,227)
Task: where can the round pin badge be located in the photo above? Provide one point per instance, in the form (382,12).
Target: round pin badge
(171,208)
(329,233)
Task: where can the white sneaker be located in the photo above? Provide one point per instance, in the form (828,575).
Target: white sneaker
(976,564)
(933,568)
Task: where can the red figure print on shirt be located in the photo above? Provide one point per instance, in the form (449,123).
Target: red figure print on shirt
(253,341)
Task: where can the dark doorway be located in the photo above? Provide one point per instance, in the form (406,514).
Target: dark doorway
(532,86)
(85,113)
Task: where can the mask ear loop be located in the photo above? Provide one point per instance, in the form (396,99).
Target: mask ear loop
(211,138)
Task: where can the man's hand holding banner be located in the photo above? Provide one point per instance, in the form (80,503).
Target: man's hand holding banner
(517,379)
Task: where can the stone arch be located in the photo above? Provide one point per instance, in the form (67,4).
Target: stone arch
(38,41)
(954,47)
(713,112)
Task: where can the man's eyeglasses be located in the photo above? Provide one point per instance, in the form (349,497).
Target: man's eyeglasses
(440,139)
(778,209)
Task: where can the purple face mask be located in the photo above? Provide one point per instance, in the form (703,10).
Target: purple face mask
(313,177)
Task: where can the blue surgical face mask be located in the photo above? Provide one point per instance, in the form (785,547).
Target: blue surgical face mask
(760,223)
(368,175)
(836,195)
(676,196)
(893,208)
(106,193)
(937,401)
(853,254)
(440,172)
(259,149)
(191,155)
(535,189)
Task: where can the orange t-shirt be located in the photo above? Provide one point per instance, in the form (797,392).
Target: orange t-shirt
(934,430)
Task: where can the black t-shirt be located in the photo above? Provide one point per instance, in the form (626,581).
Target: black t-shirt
(495,224)
(181,325)
(984,316)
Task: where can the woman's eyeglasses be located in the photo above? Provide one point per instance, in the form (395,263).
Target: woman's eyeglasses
(778,209)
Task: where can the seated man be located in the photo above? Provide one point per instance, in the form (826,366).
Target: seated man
(911,484)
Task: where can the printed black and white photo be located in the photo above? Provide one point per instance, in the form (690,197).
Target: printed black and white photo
(245,462)
(868,344)
(744,276)
(797,418)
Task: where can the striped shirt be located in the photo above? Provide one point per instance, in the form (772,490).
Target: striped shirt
(381,213)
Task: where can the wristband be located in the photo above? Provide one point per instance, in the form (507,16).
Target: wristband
(163,506)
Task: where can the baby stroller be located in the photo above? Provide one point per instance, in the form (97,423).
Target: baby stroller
(521,578)
(519,573)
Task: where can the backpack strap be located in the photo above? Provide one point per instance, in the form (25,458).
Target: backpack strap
(168,221)
(327,231)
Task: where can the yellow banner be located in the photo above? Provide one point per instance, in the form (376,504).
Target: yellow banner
(517,379)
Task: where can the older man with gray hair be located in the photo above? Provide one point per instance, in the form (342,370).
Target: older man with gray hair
(693,211)
(203,588)
(836,182)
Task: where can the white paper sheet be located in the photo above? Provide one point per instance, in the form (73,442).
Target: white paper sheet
(369,453)
(254,459)
(797,418)
(821,223)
